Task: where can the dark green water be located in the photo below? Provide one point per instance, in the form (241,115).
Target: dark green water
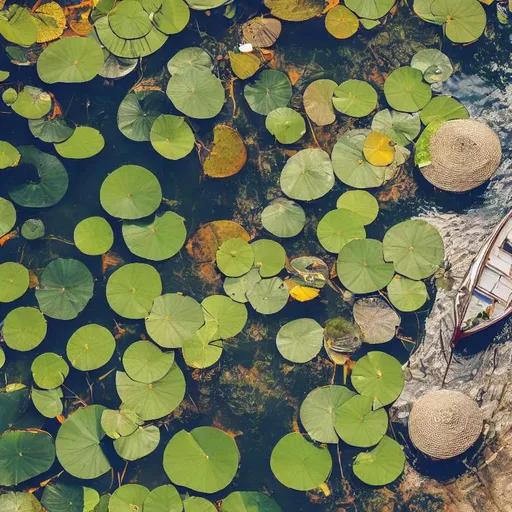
(251,390)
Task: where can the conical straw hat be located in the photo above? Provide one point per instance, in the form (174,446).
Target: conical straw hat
(444,424)
(464,154)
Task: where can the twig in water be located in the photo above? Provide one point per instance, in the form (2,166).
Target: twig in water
(338,451)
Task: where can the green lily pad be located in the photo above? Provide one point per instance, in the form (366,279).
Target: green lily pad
(229,316)
(370,9)
(272,89)
(361,266)
(14,280)
(337,228)
(307,175)
(415,247)
(378,376)
(52,184)
(24,454)
(406,91)
(9,96)
(237,287)
(65,288)
(268,296)
(24,328)
(172,16)
(269,257)
(116,67)
(318,412)
(9,155)
(381,465)
(205,459)
(50,129)
(193,57)
(130,192)
(123,422)
(7,216)
(435,65)
(18,26)
(93,236)
(406,294)
(318,101)
(174,318)
(196,93)
(2,357)
(137,113)
(32,103)
(355,98)
(300,340)
(172,137)
(235,257)
(164,498)
(286,125)
(129,20)
(155,400)
(203,349)
(377,320)
(423,9)
(48,402)
(145,362)
(90,347)
(358,424)
(249,501)
(443,108)
(361,203)
(295,10)
(465,20)
(91,499)
(49,370)
(85,142)
(128,498)
(32,229)
(194,503)
(283,218)
(70,60)
(132,289)
(139,444)
(299,464)
(400,127)
(63,498)
(19,502)
(341,22)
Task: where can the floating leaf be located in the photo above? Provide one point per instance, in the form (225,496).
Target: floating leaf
(406,294)
(48,402)
(295,10)
(9,155)
(171,17)
(164,498)
(203,349)
(355,98)
(268,296)
(14,281)
(203,5)
(128,497)
(193,57)
(63,498)
(19,502)
(405,89)
(90,347)
(32,103)
(244,65)
(311,270)
(370,9)
(400,127)
(139,444)
(361,203)
(341,22)
(465,20)
(379,149)
(194,503)
(49,370)
(283,218)
(443,108)
(7,216)
(235,257)
(50,128)
(93,236)
(24,328)
(9,96)
(376,319)
(269,257)
(120,423)
(116,67)
(337,228)
(341,337)
(318,101)
(18,26)
(286,125)
(85,142)
(237,287)
(245,501)
(272,89)
(32,229)
(128,20)
(145,362)
(300,340)
(229,316)
(172,137)
(261,32)
(228,154)
(435,65)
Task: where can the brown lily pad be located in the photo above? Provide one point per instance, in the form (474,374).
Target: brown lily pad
(228,154)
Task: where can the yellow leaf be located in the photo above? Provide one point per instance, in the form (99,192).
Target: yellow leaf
(325,489)
(78,17)
(50,21)
(301,293)
(487,2)
(244,65)
(228,154)
(341,22)
(379,149)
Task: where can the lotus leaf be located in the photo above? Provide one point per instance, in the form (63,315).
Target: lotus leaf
(376,319)
(423,8)
(307,175)
(229,316)
(90,347)
(361,203)
(85,142)
(13,404)
(286,125)
(406,91)
(381,465)
(172,137)
(49,370)
(155,400)
(379,149)
(400,127)
(228,154)
(32,229)
(145,362)
(48,402)
(128,497)
(341,22)
(244,65)
(205,459)
(196,93)
(283,218)
(163,499)
(370,9)
(295,10)
(9,96)
(93,236)
(193,57)
(65,288)
(19,502)
(7,216)
(435,65)
(272,89)
(32,103)
(9,155)
(203,349)
(194,503)
(337,228)
(299,464)
(120,423)
(50,21)
(91,499)
(268,296)
(18,26)
(103,503)
(171,17)
(116,67)
(63,498)
(237,287)
(249,501)
(4,75)
(318,101)
(355,98)
(269,257)
(415,247)
(300,340)
(139,444)
(361,266)
(50,129)
(14,281)
(443,108)
(204,5)
(318,412)
(24,328)
(174,318)
(465,20)
(128,20)
(261,32)
(137,113)
(406,294)
(235,257)
(132,289)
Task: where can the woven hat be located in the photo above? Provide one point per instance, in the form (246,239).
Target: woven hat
(464,154)
(444,424)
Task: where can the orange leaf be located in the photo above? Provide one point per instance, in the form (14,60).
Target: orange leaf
(7,237)
(228,154)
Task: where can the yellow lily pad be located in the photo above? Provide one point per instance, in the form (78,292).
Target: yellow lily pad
(379,149)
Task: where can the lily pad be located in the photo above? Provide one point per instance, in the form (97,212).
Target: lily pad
(435,65)
(295,10)
(415,247)
(128,497)
(283,218)
(7,216)
(370,9)
(172,137)
(139,444)
(132,289)
(379,149)
(195,503)
(244,65)
(268,296)
(203,349)
(228,154)
(85,142)
(93,236)
(230,316)
(32,229)
(465,20)
(361,266)
(249,501)
(9,96)
(300,340)
(443,108)
(355,98)
(49,370)
(14,280)
(123,422)
(269,257)
(400,127)
(50,129)
(9,155)
(286,125)
(18,26)
(63,498)
(32,103)
(174,318)
(307,175)
(90,347)
(337,228)
(24,328)
(237,287)
(318,101)
(235,257)
(376,319)
(205,459)
(130,192)
(406,91)
(172,16)
(318,412)
(361,203)
(145,362)
(272,89)
(65,288)
(116,67)
(341,22)
(19,502)
(128,20)
(47,402)
(299,464)
(406,294)
(203,5)
(164,498)
(193,57)
(378,376)
(261,32)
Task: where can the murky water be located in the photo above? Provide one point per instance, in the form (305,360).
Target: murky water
(253,391)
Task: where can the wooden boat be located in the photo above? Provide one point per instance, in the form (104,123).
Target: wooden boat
(485,295)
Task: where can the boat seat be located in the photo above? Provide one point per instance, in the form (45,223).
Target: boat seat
(503,290)
(501,261)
